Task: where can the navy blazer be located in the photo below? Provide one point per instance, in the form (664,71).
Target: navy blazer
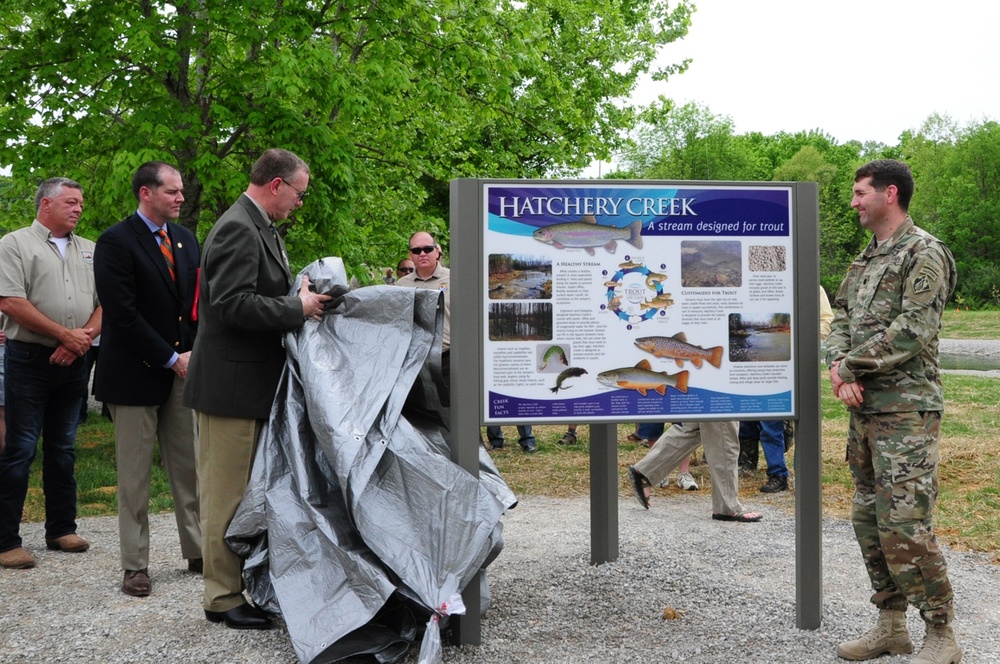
(244,310)
(147,317)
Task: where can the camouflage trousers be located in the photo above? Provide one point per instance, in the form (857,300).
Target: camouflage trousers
(894,461)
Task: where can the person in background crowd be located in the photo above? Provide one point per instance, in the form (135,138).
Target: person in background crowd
(676,444)
(403,268)
(775,436)
(526,438)
(425,255)
(771,436)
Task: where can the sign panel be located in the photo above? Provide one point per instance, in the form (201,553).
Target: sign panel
(643,301)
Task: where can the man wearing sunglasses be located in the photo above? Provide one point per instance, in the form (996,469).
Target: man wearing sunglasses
(429,273)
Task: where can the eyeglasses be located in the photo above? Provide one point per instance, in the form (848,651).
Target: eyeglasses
(426,250)
(404,270)
(302,194)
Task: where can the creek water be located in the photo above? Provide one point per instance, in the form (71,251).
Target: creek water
(528,285)
(969,362)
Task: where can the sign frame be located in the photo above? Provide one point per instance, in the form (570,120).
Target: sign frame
(468,283)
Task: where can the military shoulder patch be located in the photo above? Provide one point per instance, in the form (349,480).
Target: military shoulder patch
(926,279)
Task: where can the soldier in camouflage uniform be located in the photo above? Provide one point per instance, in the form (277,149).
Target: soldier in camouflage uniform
(883,359)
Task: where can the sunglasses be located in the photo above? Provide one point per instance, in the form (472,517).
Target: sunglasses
(425,250)
(404,270)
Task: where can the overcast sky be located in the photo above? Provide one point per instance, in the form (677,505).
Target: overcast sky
(856,70)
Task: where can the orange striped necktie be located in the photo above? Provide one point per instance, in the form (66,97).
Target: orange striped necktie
(167,250)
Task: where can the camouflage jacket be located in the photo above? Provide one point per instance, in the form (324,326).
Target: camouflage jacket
(887,317)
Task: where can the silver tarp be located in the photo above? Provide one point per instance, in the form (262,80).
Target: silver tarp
(353,498)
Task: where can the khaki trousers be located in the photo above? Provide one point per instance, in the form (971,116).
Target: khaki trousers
(722,448)
(137,430)
(225,459)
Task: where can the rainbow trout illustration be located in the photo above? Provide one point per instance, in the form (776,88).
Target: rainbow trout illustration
(587,234)
(568,373)
(642,378)
(678,348)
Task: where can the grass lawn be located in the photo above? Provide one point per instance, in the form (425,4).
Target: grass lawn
(961,324)
(967,515)
(968,509)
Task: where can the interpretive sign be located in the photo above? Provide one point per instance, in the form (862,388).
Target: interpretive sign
(644,301)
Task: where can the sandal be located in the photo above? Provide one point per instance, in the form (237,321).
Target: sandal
(746,517)
(632,438)
(640,486)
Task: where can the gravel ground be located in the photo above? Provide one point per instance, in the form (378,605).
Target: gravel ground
(734,585)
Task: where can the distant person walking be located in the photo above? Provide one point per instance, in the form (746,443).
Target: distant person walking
(883,359)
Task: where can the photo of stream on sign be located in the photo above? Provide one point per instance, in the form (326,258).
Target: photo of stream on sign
(637,301)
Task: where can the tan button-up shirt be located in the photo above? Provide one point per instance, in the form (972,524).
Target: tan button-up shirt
(440,280)
(32,268)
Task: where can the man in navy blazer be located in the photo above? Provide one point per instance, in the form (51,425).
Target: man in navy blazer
(146,268)
(245,309)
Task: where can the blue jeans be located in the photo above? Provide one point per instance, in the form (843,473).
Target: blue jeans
(43,400)
(772,439)
(525,436)
(650,431)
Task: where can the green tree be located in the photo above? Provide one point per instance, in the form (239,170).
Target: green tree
(930,151)
(387,100)
(689,142)
(964,203)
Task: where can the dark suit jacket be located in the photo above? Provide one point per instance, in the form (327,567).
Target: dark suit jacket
(243,314)
(147,317)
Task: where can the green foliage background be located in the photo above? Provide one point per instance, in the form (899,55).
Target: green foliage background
(389,100)
(956,171)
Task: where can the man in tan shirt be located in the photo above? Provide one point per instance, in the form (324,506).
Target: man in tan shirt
(51,316)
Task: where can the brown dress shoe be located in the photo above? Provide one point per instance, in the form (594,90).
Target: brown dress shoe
(71,543)
(18,558)
(136,583)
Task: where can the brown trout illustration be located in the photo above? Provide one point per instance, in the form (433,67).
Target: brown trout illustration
(678,348)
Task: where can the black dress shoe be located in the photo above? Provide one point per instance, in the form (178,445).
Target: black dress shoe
(243,616)
(196,565)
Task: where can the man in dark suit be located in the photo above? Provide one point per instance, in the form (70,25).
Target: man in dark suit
(146,268)
(244,311)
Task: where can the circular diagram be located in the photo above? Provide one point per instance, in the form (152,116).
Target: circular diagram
(635,293)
